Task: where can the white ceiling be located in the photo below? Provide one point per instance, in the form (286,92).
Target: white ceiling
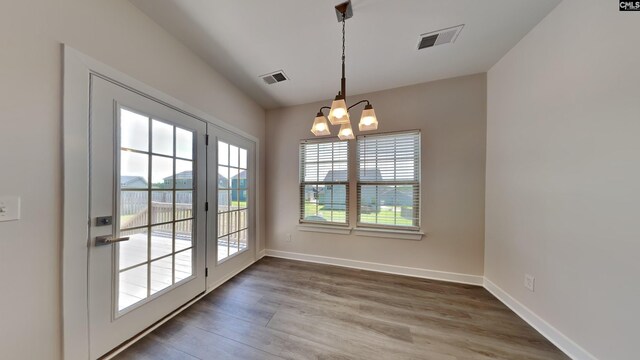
(243,39)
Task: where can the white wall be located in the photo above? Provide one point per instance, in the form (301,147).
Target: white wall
(563,174)
(452,116)
(118,34)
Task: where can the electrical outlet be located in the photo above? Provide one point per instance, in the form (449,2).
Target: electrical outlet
(529,282)
(9,208)
(288,239)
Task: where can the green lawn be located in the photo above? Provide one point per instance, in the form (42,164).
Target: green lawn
(388,215)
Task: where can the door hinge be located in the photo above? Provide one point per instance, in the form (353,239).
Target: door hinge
(206,272)
(206,206)
(206,139)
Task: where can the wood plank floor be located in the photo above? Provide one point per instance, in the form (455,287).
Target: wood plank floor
(283,309)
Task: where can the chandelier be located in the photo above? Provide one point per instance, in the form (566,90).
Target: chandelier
(339,112)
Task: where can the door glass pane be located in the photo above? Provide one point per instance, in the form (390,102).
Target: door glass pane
(162,172)
(184,144)
(161,240)
(242,219)
(233,156)
(223,223)
(132,285)
(183,234)
(233,221)
(223,247)
(134,131)
(243,239)
(232,200)
(134,170)
(223,200)
(161,274)
(161,207)
(184,205)
(223,153)
(133,208)
(184,265)
(184,174)
(156,217)
(223,177)
(134,251)
(162,138)
(243,179)
(233,243)
(243,158)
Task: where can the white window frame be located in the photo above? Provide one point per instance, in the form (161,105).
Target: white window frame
(303,184)
(364,229)
(416,183)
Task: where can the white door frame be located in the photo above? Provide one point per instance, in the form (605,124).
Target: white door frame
(75,238)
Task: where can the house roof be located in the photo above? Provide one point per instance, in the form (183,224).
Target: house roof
(125,180)
(243,172)
(182,175)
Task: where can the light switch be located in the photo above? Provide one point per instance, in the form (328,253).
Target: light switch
(9,208)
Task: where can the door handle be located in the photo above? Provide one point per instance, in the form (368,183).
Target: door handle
(108,240)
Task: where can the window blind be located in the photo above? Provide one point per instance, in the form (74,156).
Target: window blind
(388,184)
(324,181)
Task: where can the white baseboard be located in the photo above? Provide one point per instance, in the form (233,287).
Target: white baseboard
(552,334)
(262,253)
(384,268)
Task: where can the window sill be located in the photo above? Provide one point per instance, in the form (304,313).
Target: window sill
(331,229)
(389,233)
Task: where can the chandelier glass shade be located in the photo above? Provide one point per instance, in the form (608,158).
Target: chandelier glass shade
(320,126)
(346,132)
(339,114)
(368,121)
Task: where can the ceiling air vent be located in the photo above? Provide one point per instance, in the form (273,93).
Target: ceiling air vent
(274,77)
(435,38)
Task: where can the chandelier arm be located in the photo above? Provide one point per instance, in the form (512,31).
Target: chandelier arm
(359,102)
(322,108)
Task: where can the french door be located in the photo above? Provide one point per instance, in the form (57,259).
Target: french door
(231,237)
(148,189)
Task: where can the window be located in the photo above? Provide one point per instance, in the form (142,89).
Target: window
(156,195)
(389,180)
(232,200)
(324,182)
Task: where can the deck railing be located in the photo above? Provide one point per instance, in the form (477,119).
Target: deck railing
(229,221)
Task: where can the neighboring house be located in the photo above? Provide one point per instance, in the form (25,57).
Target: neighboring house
(223,182)
(239,182)
(184,180)
(332,196)
(133,182)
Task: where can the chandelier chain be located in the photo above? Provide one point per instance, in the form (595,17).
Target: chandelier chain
(343,36)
